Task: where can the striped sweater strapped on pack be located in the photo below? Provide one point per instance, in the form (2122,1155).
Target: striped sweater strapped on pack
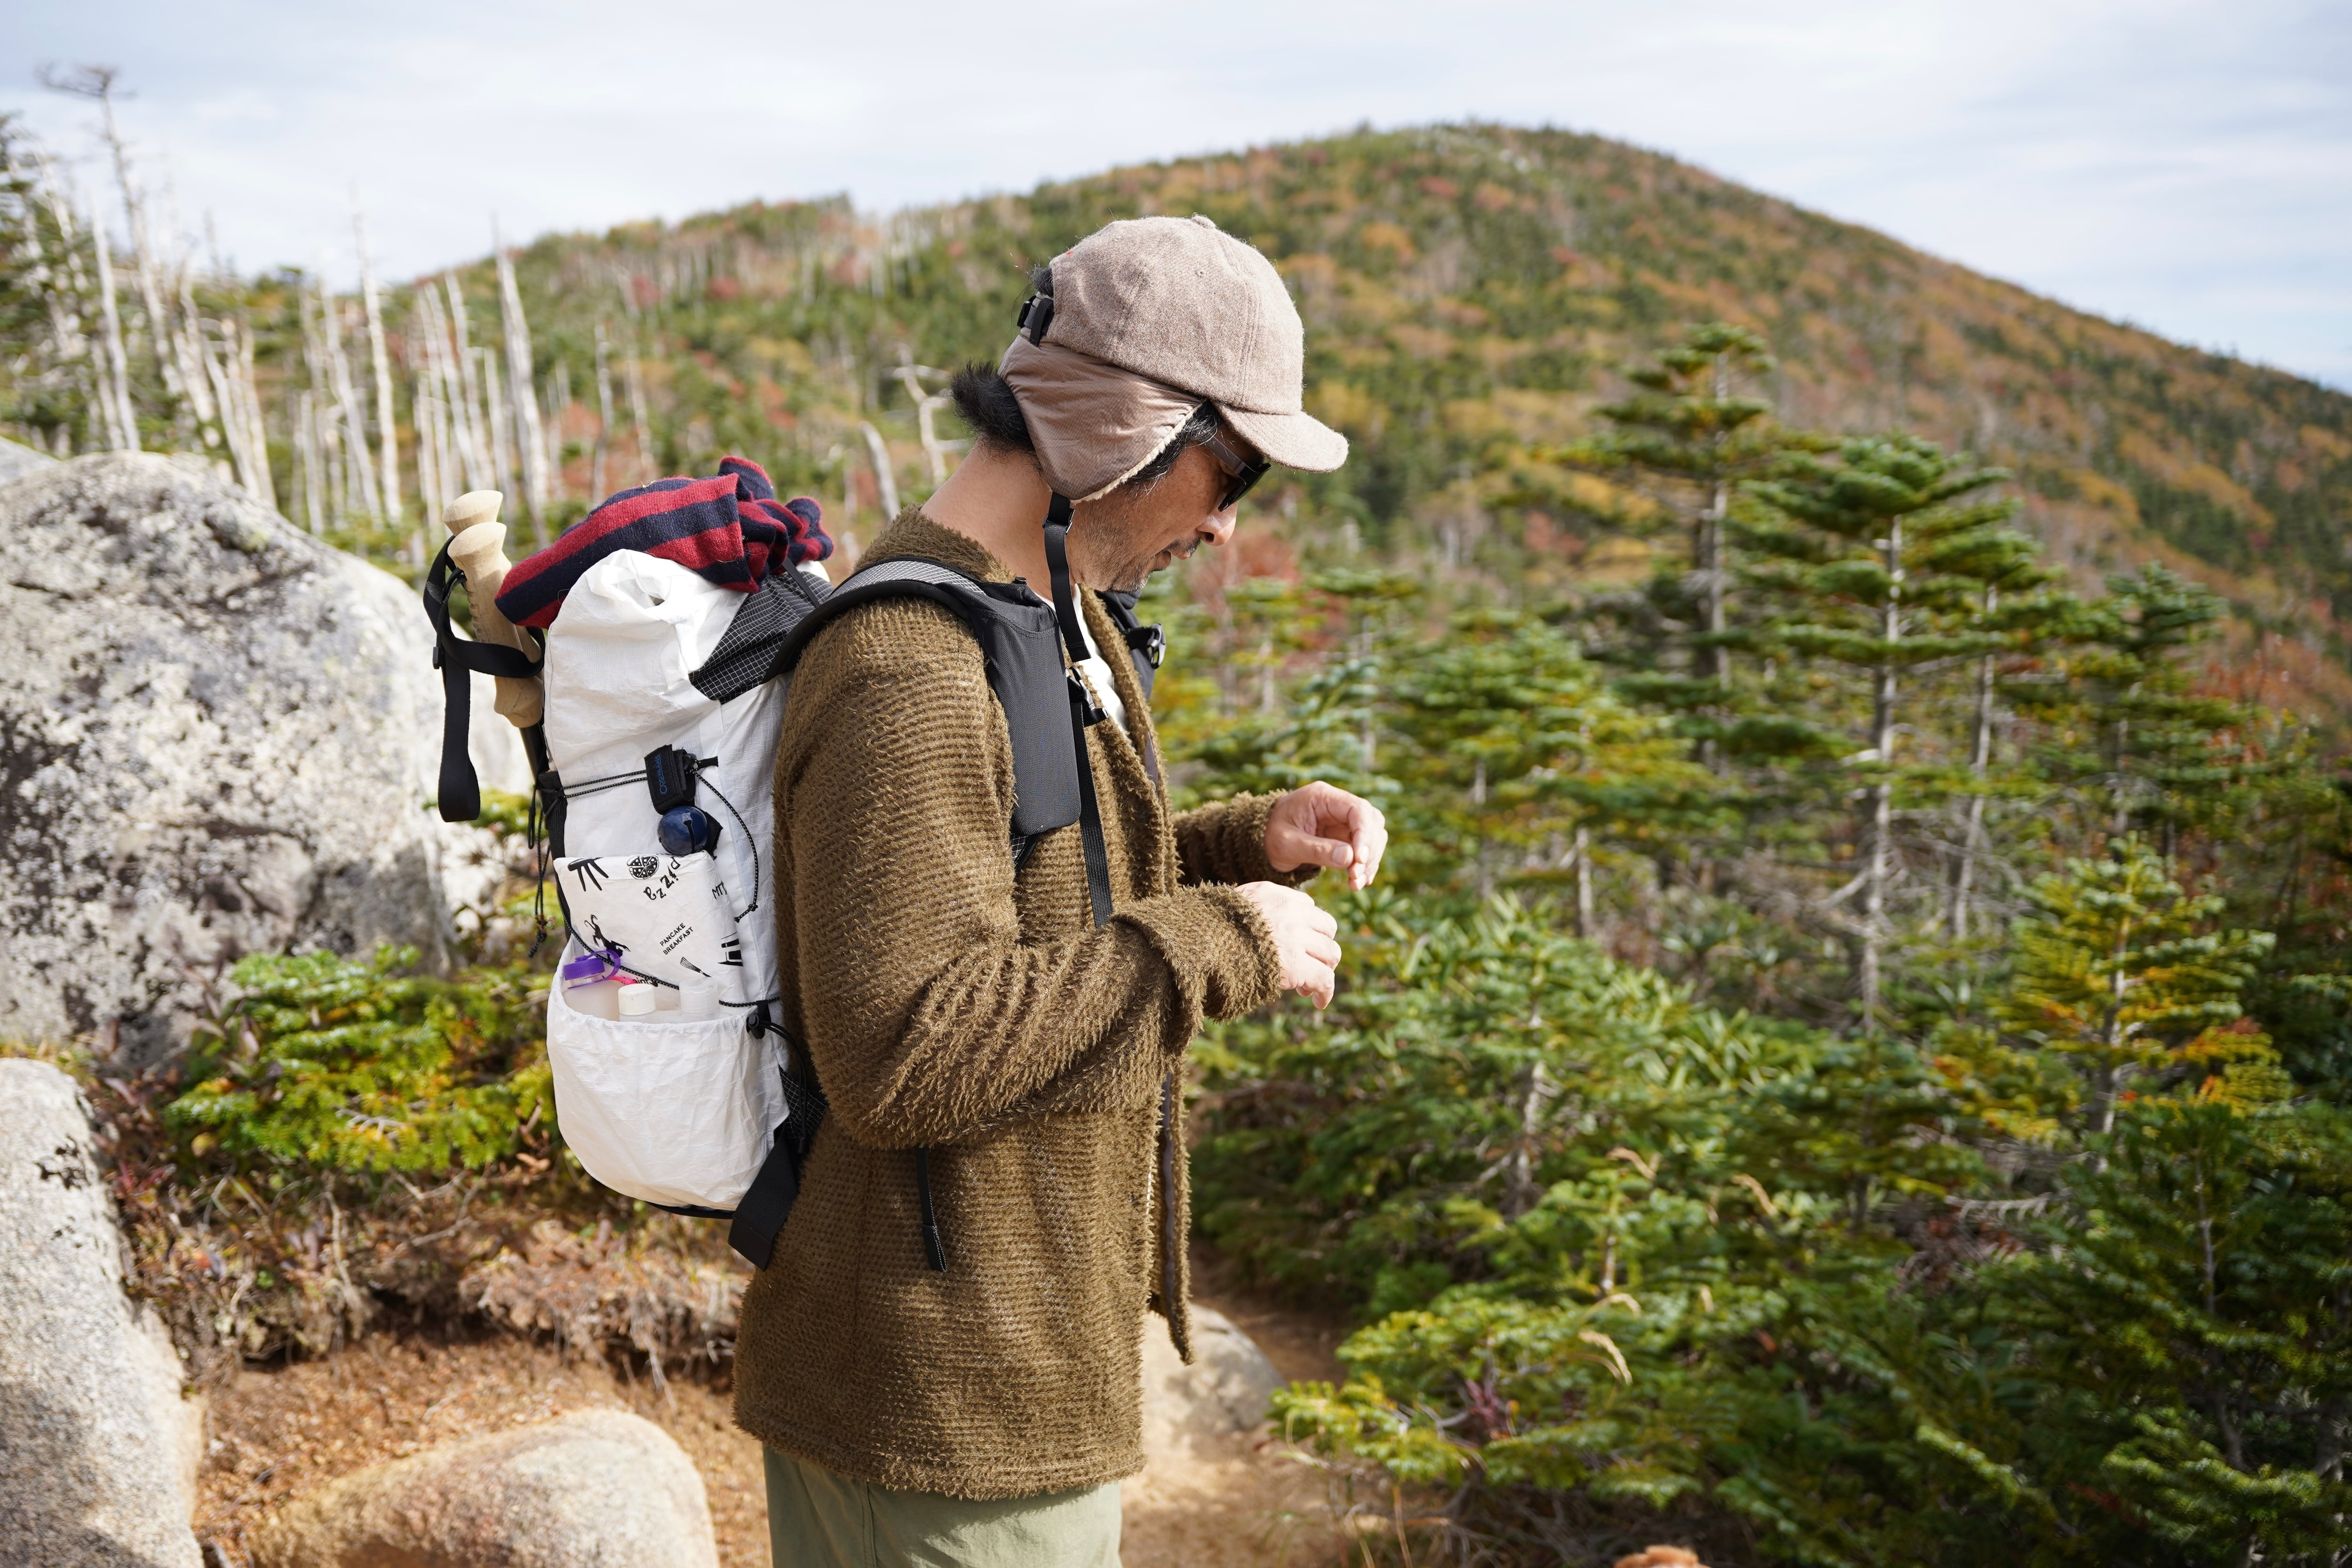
(731,530)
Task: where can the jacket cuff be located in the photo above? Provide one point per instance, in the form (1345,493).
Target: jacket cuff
(1217,946)
(1226,843)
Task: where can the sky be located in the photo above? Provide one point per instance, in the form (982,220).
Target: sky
(2183,164)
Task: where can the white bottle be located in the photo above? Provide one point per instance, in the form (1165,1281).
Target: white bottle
(698,998)
(638,1001)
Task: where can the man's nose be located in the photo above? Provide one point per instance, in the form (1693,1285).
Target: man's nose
(1219,528)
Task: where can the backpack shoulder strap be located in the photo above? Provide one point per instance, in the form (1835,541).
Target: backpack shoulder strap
(1017,637)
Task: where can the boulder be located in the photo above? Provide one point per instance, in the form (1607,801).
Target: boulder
(218,736)
(1222,1394)
(97,1447)
(596,1489)
(18,460)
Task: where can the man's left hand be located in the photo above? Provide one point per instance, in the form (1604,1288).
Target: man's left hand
(1321,825)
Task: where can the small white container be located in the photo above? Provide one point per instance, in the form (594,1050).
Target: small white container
(698,998)
(638,1001)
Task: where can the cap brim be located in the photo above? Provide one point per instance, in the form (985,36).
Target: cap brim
(1294,440)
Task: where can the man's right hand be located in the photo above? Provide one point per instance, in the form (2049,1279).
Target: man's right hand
(1306,936)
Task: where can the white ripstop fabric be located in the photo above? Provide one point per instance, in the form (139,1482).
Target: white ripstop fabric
(670,1109)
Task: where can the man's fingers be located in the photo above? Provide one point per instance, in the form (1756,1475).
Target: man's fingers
(1324,950)
(1323,920)
(1328,852)
(1370,846)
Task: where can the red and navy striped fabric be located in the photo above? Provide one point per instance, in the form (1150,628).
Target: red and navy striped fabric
(730,528)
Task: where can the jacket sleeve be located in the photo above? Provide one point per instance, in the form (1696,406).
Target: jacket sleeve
(926,1014)
(1226,843)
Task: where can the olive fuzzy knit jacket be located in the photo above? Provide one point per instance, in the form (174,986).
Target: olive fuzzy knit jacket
(950,1005)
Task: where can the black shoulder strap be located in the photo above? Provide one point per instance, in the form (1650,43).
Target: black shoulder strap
(1016,633)
(1083,711)
(456,658)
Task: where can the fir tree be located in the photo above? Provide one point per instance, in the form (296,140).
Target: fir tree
(1515,755)
(2116,971)
(2154,754)
(1689,438)
(1878,559)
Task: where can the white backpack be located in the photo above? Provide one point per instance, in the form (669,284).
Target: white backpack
(661,686)
(676,1110)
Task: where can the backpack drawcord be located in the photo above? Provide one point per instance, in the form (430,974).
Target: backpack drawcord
(935,1251)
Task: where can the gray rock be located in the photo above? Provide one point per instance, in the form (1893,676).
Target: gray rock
(95,1440)
(1223,1393)
(596,1489)
(16,461)
(216,737)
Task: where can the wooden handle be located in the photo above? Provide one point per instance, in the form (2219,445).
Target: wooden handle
(478,546)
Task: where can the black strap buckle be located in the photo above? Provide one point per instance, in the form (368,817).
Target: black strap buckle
(1037,310)
(1151,642)
(670,775)
(1085,699)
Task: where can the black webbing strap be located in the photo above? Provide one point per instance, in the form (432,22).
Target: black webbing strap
(1083,711)
(761,1211)
(456,658)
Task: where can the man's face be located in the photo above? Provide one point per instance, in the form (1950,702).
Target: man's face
(1118,542)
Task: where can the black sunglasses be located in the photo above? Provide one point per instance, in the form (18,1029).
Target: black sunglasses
(1239,475)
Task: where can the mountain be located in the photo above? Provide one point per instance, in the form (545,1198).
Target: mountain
(1471,293)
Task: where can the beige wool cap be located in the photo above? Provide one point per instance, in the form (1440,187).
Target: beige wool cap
(1194,315)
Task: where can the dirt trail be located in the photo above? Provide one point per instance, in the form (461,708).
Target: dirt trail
(1239,1502)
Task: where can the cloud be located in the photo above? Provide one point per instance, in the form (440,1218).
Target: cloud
(2186,163)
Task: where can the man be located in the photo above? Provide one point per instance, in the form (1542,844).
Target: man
(942,1355)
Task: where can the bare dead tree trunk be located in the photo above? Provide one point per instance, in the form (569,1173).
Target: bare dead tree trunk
(558,411)
(425,412)
(472,421)
(1879,869)
(530,441)
(122,417)
(885,482)
(350,413)
(229,371)
(494,400)
(598,462)
(1584,920)
(380,361)
(188,349)
(647,470)
(306,462)
(927,404)
(97,82)
(256,425)
(1520,1192)
(441,381)
(1979,764)
(321,492)
(64,294)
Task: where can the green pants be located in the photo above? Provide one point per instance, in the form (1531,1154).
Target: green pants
(819,1519)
